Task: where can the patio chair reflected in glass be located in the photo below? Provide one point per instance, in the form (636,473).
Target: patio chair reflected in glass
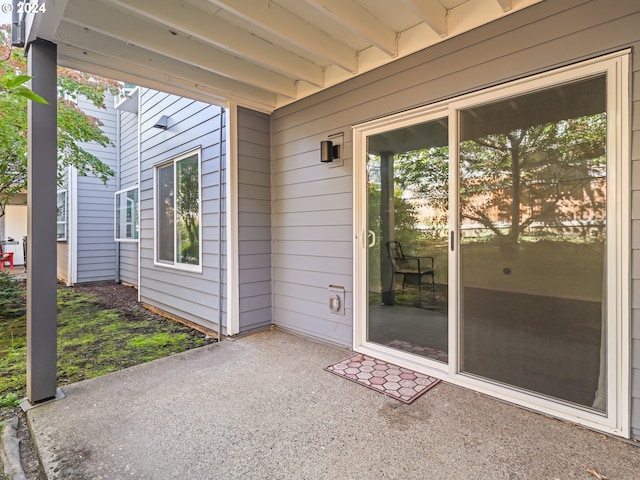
(410,266)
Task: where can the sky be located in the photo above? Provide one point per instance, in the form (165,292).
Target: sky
(4,17)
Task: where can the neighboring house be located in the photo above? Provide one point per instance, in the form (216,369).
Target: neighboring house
(86,250)
(13,228)
(549,94)
(107,232)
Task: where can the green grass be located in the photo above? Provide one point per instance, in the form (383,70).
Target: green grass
(92,339)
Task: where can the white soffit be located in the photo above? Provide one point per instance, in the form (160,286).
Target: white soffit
(262,54)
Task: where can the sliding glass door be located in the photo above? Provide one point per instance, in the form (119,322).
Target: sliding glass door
(407,225)
(533,224)
(492,241)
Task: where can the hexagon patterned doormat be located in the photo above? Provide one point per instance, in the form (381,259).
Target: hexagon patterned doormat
(394,381)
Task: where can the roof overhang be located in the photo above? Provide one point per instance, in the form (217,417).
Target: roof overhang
(262,54)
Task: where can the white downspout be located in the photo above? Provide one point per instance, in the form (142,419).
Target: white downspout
(233,287)
(118,186)
(139,189)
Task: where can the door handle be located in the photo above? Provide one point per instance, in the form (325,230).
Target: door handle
(453,240)
(373,238)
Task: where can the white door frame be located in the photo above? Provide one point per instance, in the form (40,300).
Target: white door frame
(617,418)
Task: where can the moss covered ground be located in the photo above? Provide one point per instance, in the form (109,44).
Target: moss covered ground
(94,337)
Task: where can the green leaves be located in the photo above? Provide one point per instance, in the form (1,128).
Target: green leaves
(75,127)
(15,85)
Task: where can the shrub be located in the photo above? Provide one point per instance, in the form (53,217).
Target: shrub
(12,293)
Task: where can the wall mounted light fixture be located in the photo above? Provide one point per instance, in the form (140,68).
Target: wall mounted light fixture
(328,151)
(162,122)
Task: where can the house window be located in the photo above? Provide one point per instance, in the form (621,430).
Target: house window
(126,219)
(178,212)
(61,215)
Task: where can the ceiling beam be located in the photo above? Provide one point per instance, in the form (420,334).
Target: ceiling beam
(44,26)
(213,30)
(505,5)
(358,19)
(98,68)
(98,65)
(432,13)
(132,29)
(285,25)
(79,43)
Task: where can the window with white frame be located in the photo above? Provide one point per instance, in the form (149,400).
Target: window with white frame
(126,215)
(61,215)
(177,193)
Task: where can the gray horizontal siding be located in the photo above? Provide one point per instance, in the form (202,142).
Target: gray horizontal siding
(96,249)
(312,204)
(189,295)
(128,252)
(128,149)
(254,220)
(129,263)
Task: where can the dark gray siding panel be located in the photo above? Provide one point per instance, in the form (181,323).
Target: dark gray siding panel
(254,219)
(128,271)
(312,203)
(96,249)
(192,296)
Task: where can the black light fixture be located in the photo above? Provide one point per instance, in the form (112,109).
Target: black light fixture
(17,24)
(162,122)
(328,151)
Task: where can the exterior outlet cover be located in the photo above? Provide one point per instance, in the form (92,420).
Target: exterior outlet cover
(336,299)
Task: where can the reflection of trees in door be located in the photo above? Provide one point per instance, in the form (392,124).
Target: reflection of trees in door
(532,214)
(408,298)
(419,213)
(405,219)
(550,175)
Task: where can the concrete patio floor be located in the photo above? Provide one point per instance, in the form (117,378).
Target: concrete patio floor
(262,407)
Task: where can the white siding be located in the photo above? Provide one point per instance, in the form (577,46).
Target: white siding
(18,199)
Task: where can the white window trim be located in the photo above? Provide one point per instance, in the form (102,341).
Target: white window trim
(66,214)
(617,418)
(175,265)
(115,216)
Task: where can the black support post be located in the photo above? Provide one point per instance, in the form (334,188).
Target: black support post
(387,225)
(41,247)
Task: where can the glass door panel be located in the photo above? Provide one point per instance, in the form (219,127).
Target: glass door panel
(407,258)
(533,236)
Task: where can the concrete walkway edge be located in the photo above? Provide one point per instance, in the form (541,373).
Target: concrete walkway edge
(10,451)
